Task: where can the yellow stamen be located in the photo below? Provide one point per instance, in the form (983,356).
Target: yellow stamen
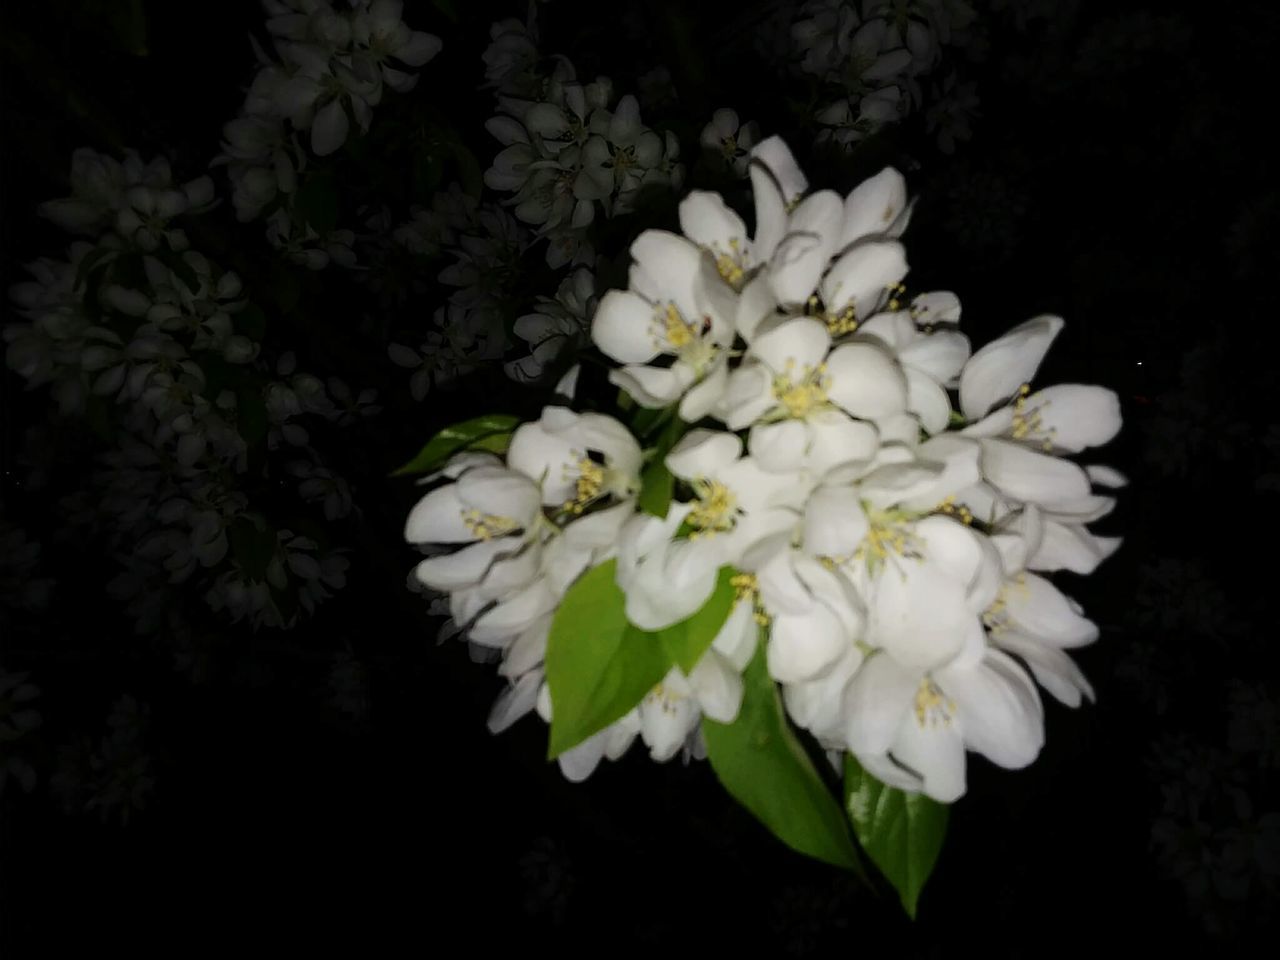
(801,396)
(748,589)
(931,705)
(485,526)
(716,510)
(590,485)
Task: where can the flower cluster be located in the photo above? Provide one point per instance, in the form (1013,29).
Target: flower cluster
(884,503)
(566,151)
(872,58)
(157,349)
(330,69)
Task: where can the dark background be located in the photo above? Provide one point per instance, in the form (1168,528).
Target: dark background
(1119,174)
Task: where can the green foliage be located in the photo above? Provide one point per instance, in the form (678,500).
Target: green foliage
(901,832)
(491,433)
(599,666)
(686,642)
(763,765)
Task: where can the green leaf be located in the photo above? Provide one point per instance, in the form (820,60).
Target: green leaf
(686,642)
(657,485)
(763,765)
(316,202)
(901,832)
(491,432)
(599,666)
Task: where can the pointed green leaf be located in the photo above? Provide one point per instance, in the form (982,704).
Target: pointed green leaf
(764,767)
(686,642)
(901,832)
(598,665)
(491,433)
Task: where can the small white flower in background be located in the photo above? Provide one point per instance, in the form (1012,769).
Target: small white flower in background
(950,116)
(729,141)
(556,329)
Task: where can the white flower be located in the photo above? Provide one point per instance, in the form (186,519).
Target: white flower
(729,140)
(910,727)
(557,329)
(577,459)
(678,306)
(798,396)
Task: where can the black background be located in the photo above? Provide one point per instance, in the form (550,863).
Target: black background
(1120,175)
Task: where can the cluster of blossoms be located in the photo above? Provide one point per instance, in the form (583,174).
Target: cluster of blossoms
(157,348)
(886,502)
(485,244)
(566,151)
(330,69)
(873,57)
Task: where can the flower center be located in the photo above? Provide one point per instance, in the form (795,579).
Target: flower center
(485,526)
(838,324)
(804,394)
(665,698)
(716,510)
(731,265)
(690,343)
(932,706)
(1027,423)
(747,589)
(887,535)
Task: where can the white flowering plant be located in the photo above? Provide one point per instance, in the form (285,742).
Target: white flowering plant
(812,507)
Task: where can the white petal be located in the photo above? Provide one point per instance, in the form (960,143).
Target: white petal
(801,343)
(705,396)
(624,327)
(940,355)
(800,259)
(1076,416)
(703,453)
(865,381)
(935,750)
(1032,477)
(1053,669)
(927,401)
(437,518)
(838,442)
(873,205)
(329,129)
(879,702)
(1070,546)
(1103,476)
(776,157)
(863,276)
(653,387)
(748,395)
(996,371)
(466,567)
(755,304)
(1036,607)
(1000,712)
(834,522)
(710,222)
(801,646)
(718,687)
(515,702)
(779,447)
(665,269)
(581,761)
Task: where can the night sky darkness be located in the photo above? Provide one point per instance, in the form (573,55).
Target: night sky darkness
(334,786)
